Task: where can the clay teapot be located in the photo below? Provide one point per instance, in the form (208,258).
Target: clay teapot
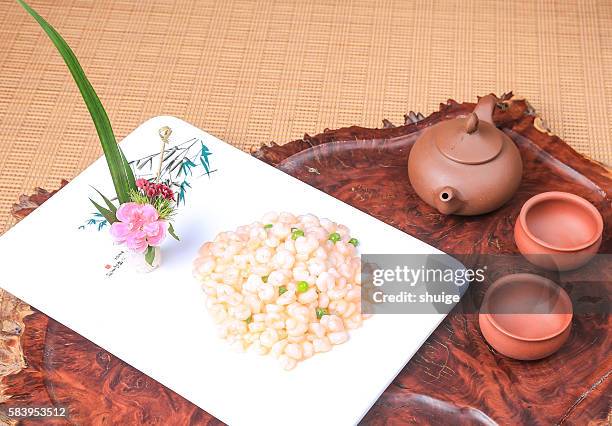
(466,166)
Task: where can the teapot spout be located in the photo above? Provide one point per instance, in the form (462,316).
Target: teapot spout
(446,200)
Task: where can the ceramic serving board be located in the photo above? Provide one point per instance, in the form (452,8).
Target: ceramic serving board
(80,281)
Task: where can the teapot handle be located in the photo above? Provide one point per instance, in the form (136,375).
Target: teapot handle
(484,108)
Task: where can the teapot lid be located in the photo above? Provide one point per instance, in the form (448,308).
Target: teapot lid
(469,140)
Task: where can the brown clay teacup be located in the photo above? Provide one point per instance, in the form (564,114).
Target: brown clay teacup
(525,316)
(558,231)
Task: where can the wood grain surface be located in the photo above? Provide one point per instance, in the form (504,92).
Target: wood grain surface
(455,378)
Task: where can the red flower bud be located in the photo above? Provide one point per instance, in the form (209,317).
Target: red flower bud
(141,183)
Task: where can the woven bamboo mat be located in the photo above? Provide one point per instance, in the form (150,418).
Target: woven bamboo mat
(255,71)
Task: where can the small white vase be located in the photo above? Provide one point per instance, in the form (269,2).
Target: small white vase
(138,263)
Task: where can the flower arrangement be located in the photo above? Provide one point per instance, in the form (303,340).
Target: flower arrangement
(143,223)
(143,218)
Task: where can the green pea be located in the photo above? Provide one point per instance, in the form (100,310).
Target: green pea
(335,237)
(268,226)
(354,241)
(296,233)
(321,311)
(282,289)
(302,287)
(249,319)
(264,278)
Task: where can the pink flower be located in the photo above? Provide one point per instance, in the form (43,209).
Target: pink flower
(138,227)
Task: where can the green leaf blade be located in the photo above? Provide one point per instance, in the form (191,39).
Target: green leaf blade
(128,170)
(150,255)
(119,169)
(108,202)
(106,213)
(172,232)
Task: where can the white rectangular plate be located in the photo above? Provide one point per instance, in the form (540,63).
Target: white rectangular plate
(135,316)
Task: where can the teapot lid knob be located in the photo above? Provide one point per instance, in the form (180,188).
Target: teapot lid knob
(469,140)
(471,123)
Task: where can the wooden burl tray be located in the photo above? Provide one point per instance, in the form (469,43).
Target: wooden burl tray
(455,378)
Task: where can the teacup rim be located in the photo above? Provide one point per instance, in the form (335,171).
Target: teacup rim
(565,196)
(532,278)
